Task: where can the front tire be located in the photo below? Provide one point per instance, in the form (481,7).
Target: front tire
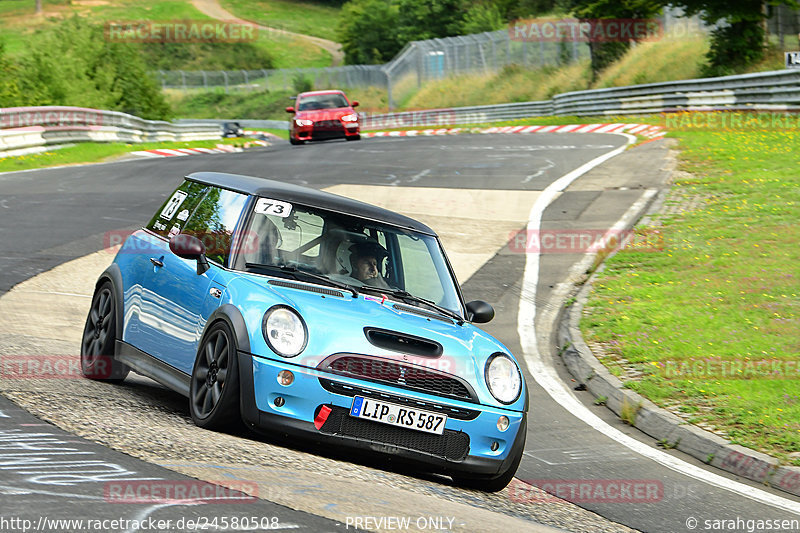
(214,391)
(354,137)
(99,339)
(294,141)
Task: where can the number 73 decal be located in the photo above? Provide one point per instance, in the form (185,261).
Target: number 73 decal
(265,206)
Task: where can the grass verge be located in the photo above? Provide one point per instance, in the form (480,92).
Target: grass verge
(101,152)
(270,50)
(307,17)
(712,321)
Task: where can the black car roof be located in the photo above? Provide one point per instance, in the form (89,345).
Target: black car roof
(307,196)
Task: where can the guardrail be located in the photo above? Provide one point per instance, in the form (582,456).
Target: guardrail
(25,129)
(29,127)
(776,90)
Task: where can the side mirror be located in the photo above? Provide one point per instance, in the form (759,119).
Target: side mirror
(290,109)
(354,103)
(190,247)
(479,312)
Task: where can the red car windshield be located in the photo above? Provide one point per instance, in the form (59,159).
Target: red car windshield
(321,101)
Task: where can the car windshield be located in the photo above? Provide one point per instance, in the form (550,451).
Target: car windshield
(375,258)
(321,101)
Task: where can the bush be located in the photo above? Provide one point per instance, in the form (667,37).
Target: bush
(10,95)
(367,31)
(301,83)
(207,56)
(734,47)
(71,63)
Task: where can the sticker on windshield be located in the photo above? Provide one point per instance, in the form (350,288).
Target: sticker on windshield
(172,206)
(183,215)
(265,206)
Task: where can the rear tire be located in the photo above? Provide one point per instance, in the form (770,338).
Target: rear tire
(214,390)
(98,343)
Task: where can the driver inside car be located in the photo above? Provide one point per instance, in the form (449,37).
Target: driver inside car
(366,259)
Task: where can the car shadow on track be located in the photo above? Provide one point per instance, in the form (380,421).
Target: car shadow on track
(156,396)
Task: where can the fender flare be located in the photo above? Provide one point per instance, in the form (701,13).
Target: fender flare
(113,274)
(232,316)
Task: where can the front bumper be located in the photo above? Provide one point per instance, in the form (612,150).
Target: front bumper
(333,129)
(466,446)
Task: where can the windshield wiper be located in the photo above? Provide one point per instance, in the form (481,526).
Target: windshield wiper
(294,271)
(416,299)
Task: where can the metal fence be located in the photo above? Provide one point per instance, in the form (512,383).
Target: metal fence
(417,62)
(783,26)
(772,91)
(272,79)
(422,61)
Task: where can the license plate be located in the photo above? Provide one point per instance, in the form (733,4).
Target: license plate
(398,415)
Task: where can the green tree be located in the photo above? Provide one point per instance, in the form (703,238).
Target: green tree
(367,31)
(482,17)
(71,63)
(10,95)
(604,53)
(428,19)
(738,40)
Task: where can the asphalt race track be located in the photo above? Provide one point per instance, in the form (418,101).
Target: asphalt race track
(476,190)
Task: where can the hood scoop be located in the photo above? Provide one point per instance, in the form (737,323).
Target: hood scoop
(403,343)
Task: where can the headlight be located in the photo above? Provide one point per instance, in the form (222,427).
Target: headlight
(350,118)
(284,331)
(304,122)
(503,378)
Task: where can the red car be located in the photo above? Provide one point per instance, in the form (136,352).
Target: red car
(321,115)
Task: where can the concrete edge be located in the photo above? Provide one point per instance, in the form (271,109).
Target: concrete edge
(656,422)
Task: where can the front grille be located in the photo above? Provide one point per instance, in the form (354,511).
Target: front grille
(459,413)
(452,445)
(328,125)
(395,374)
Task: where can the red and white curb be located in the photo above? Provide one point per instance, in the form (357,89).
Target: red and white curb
(645,130)
(176,152)
(219,149)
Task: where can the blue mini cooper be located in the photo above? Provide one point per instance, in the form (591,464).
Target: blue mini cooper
(312,315)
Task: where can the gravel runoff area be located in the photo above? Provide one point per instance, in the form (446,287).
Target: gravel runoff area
(45,317)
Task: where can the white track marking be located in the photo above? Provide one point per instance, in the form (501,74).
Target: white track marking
(546,376)
(548,165)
